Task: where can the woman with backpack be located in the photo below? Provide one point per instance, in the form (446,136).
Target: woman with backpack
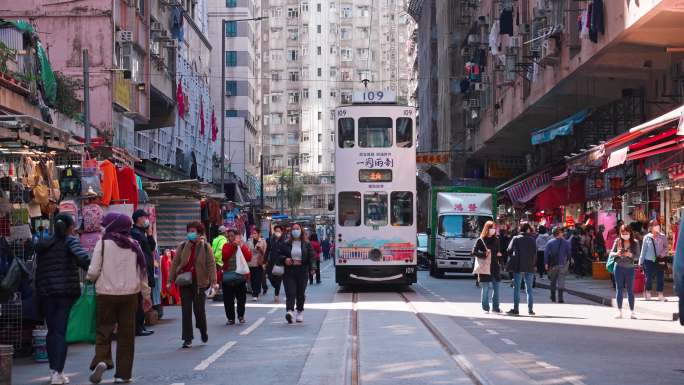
(486,251)
(57,281)
(119,270)
(297,256)
(193,271)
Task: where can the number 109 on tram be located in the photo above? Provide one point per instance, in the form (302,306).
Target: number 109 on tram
(375,188)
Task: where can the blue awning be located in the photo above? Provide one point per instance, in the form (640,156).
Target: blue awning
(564,127)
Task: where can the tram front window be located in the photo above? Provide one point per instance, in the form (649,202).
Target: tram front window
(402,208)
(404,132)
(375,132)
(349,209)
(345,132)
(375,209)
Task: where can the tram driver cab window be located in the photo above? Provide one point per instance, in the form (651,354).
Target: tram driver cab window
(349,209)
(345,132)
(375,209)
(404,132)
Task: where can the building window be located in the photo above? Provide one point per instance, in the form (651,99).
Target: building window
(318,7)
(320,94)
(277,118)
(320,115)
(332,114)
(293,117)
(293,97)
(319,72)
(292,139)
(364,11)
(294,76)
(231,58)
(346,12)
(305,93)
(292,55)
(332,73)
(292,13)
(293,33)
(305,7)
(346,97)
(319,50)
(231,29)
(318,28)
(276,12)
(231,88)
(362,53)
(231,114)
(346,75)
(277,139)
(362,32)
(320,159)
(345,33)
(231,3)
(320,138)
(333,50)
(275,76)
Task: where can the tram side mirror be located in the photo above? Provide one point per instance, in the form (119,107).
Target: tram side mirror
(331,206)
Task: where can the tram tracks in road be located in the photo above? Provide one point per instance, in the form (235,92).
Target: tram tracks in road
(355,375)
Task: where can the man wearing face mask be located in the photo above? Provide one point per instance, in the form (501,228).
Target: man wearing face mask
(141,222)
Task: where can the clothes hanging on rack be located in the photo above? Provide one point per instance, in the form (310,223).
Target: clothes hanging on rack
(495,39)
(128,188)
(597,26)
(110,184)
(177,22)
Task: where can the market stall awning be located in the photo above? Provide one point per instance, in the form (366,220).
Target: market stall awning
(655,145)
(562,128)
(527,189)
(645,128)
(557,195)
(617,158)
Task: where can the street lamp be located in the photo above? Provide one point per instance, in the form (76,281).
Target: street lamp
(224,22)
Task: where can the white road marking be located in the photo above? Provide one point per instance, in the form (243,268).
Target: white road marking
(253,326)
(546,365)
(478,323)
(441,298)
(508,342)
(492,332)
(215,356)
(272,310)
(178,383)
(327,267)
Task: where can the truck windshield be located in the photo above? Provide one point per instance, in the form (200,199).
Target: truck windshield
(422,240)
(462,226)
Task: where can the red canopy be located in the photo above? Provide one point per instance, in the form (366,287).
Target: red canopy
(556,195)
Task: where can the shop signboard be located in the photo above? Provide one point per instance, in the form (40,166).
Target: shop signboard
(122,91)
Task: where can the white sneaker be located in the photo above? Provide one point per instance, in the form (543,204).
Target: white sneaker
(300,316)
(121,381)
(289,316)
(96,375)
(56,379)
(632,315)
(486,311)
(255,299)
(65,378)
(618,315)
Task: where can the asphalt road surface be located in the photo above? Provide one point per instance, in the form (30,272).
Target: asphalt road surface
(431,333)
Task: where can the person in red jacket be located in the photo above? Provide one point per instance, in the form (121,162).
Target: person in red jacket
(316,268)
(237,291)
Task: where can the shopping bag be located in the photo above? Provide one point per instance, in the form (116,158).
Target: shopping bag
(81,325)
(241,266)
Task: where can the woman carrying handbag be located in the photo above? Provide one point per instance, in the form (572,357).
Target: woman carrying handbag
(193,271)
(486,251)
(236,254)
(297,256)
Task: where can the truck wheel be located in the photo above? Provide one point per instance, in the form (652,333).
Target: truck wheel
(434,272)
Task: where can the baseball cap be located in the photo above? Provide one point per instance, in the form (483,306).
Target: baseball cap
(222,229)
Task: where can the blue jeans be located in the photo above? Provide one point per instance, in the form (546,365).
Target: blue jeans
(624,279)
(493,288)
(56,311)
(517,280)
(651,269)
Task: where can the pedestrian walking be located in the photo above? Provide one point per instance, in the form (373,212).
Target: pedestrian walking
(654,259)
(556,258)
(678,270)
(217,246)
(624,252)
(235,291)
(257,247)
(522,261)
(141,223)
(542,239)
(119,270)
(316,268)
(193,271)
(274,249)
(58,259)
(486,251)
(325,248)
(297,257)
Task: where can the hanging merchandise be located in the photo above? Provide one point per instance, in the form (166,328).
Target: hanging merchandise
(506,22)
(70,181)
(596,21)
(92,217)
(90,177)
(110,184)
(201,116)
(495,39)
(180,99)
(70,207)
(177,22)
(584,24)
(214,126)
(128,187)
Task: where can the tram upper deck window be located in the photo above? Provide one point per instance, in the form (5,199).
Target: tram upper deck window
(349,208)
(345,132)
(402,208)
(375,209)
(404,132)
(375,132)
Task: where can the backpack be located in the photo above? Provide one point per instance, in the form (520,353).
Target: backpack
(70,207)
(92,217)
(70,181)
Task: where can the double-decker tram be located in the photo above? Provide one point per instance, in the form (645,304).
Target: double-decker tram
(375,187)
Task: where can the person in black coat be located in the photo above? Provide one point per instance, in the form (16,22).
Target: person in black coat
(58,285)
(522,261)
(141,223)
(273,246)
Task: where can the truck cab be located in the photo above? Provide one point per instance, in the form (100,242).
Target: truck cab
(457,217)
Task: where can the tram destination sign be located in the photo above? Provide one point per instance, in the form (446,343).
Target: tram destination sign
(371,96)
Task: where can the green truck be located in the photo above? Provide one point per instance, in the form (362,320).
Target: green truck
(457,215)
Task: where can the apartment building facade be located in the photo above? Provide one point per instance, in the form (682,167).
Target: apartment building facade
(232,21)
(317,52)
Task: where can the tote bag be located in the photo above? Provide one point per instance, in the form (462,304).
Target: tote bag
(81,326)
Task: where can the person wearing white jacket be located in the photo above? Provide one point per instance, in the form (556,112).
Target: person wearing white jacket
(119,270)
